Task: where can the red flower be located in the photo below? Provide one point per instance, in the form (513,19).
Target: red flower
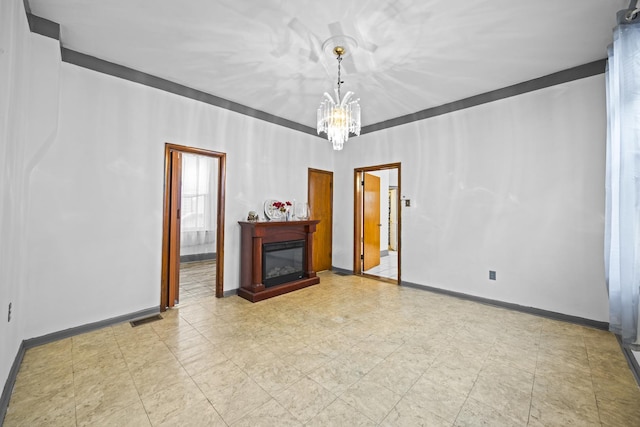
(281,206)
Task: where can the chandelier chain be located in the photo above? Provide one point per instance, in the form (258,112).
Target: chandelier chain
(339,78)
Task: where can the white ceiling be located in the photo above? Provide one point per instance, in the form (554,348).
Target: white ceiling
(268,55)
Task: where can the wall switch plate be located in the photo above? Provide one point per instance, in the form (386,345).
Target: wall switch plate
(492,275)
(407,203)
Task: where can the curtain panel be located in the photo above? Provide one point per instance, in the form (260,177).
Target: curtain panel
(622,221)
(198,204)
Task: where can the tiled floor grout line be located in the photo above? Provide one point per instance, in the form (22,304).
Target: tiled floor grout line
(593,385)
(203,393)
(469,392)
(327,405)
(73,376)
(405,393)
(239,367)
(136,386)
(535,370)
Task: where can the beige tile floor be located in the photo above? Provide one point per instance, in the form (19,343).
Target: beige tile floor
(197,280)
(350,351)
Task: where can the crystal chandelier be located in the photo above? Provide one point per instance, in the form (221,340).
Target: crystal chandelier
(340,117)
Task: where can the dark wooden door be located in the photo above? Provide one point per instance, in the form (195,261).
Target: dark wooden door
(320,195)
(371,214)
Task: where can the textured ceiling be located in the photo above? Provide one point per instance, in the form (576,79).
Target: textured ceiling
(268,54)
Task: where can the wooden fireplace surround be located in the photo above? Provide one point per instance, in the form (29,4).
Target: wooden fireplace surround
(253,236)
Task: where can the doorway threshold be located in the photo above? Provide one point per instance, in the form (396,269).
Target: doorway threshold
(380,278)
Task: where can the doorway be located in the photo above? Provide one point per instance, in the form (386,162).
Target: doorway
(320,196)
(377,222)
(193,220)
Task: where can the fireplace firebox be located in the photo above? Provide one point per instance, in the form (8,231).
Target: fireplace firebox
(276,257)
(282,262)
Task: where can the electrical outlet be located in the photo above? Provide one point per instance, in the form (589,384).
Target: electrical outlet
(492,275)
(9,314)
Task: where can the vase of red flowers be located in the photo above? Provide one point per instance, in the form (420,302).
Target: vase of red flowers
(283,207)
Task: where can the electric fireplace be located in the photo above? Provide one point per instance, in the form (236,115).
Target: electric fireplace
(276,257)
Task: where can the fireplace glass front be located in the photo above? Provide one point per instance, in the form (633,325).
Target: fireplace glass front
(282,262)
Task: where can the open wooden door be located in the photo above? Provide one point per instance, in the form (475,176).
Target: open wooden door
(367,221)
(371,221)
(170,275)
(320,195)
(174,228)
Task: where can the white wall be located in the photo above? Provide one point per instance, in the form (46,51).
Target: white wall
(393,177)
(13,69)
(28,108)
(514,186)
(97,195)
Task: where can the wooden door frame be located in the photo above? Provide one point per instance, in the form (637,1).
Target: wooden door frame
(358,174)
(330,173)
(164,278)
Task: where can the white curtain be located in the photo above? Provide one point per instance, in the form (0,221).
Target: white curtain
(622,234)
(198,204)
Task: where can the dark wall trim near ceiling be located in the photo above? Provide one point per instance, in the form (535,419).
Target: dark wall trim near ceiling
(565,76)
(42,26)
(51,29)
(102,66)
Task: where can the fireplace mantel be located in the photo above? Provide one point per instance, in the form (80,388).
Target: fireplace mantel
(253,236)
